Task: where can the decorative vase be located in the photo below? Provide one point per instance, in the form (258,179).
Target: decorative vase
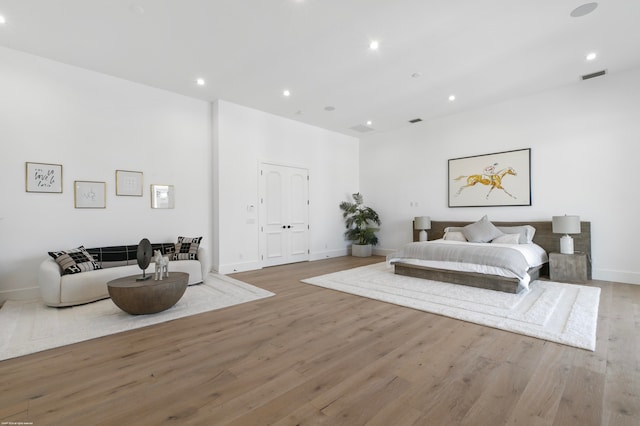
(361,250)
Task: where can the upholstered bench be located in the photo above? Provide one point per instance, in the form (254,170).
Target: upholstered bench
(80,275)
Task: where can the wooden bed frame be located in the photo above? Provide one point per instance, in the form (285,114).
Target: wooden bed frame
(543,237)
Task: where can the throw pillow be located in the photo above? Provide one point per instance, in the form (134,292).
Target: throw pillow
(507,239)
(454,236)
(187,248)
(481,231)
(526,232)
(74,261)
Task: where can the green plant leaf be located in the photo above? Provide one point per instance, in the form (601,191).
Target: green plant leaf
(358,219)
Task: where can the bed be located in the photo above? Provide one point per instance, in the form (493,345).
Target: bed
(405,264)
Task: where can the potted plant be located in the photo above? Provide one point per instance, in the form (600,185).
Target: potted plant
(358,219)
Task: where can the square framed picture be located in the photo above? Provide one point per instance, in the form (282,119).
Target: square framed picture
(162,197)
(89,194)
(490,180)
(43,177)
(128,183)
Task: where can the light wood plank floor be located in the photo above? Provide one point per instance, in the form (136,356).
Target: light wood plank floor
(316,356)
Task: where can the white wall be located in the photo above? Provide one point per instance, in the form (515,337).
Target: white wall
(584,140)
(93,124)
(584,154)
(244,138)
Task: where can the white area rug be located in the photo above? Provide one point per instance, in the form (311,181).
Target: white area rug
(27,327)
(562,313)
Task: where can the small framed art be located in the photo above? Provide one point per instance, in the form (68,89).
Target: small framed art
(43,177)
(128,183)
(162,197)
(89,194)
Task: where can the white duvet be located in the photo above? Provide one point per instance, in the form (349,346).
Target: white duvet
(533,254)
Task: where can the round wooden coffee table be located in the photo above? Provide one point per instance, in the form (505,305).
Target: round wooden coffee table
(150,296)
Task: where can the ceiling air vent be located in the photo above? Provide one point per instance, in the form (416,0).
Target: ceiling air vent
(362,128)
(415,120)
(594,75)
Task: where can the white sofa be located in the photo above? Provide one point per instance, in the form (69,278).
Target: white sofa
(75,289)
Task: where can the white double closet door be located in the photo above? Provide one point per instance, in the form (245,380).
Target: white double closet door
(284,214)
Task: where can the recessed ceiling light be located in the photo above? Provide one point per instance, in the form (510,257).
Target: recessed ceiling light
(369,122)
(286,93)
(374,45)
(200,81)
(591,56)
(585,9)
(2,20)
(452,97)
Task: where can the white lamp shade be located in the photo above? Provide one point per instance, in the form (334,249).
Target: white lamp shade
(422,222)
(565,224)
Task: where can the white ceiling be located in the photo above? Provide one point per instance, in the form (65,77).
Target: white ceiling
(249,51)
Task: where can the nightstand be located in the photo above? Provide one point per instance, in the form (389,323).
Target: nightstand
(568,268)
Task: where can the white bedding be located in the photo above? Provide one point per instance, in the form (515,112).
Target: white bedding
(533,254)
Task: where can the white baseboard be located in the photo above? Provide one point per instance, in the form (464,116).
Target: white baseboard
(345,252)
(616,276)
(232,268)
(29,293)
(328,254)
(383,251)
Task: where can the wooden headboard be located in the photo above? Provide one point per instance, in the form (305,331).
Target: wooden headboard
(543,237)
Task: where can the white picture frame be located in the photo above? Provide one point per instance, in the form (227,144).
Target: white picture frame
(89,194)
(129,183)
(162,197)
(43,177)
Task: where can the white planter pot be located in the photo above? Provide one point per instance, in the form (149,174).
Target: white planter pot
(359,250)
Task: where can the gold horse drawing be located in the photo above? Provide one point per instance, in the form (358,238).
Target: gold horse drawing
(494,180)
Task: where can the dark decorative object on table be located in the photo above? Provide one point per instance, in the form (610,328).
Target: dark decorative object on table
(144,258)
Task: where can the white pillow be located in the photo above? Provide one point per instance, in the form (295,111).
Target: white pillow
(507,239)
(526,232)
(481,231)
(454,236)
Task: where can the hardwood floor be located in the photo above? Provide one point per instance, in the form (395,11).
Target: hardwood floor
(314,356)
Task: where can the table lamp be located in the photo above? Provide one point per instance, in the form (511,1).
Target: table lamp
(566,225)
(422,223)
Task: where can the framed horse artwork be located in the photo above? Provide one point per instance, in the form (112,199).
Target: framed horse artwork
(489,180)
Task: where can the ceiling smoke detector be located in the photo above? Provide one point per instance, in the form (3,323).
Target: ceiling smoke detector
(136,9)
(583,10)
